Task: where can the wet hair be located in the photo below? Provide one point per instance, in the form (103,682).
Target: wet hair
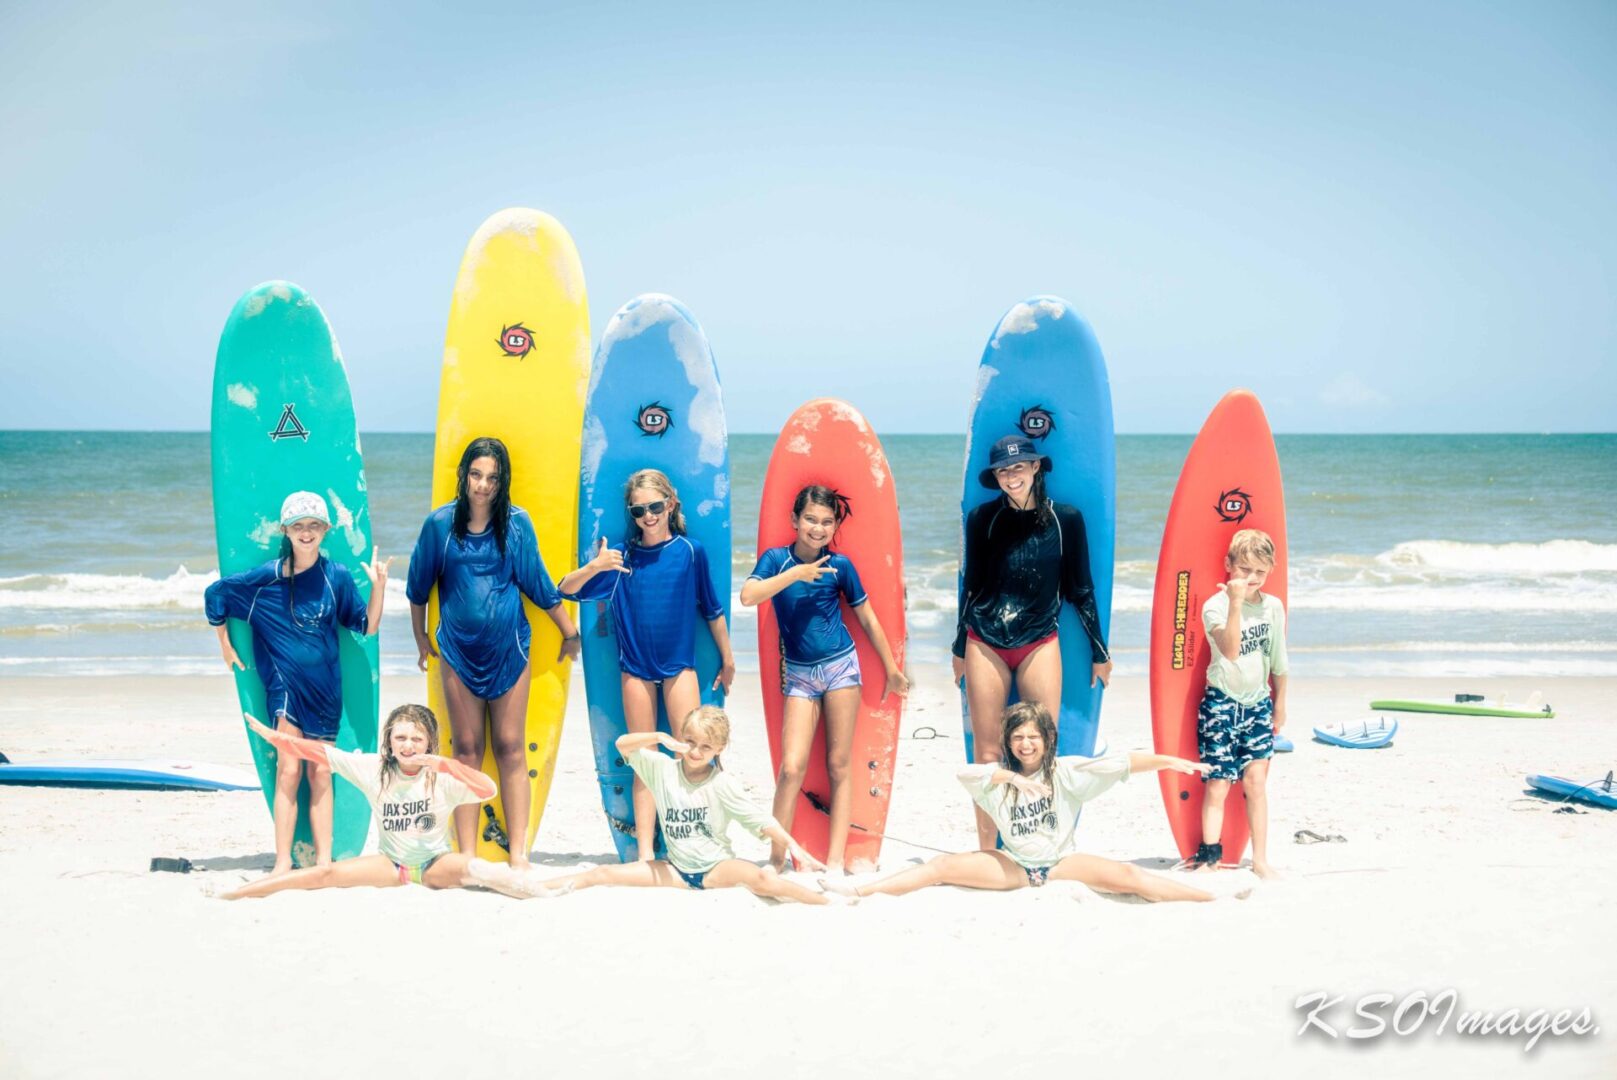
(1028,712)
(713,722)
(500,507)
(1044,514)
(657,481)
(1252,544)
(820,495)
(421,717)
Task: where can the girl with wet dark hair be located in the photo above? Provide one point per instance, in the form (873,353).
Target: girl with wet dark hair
(1024,556)
(1033,798)
(482,553)
(806,582)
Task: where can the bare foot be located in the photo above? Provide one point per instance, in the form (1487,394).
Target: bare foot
(1265,871)
(520,863)
(838,886)
(280,868)
(522,884)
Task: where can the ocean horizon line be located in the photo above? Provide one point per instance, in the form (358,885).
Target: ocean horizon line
(935,434)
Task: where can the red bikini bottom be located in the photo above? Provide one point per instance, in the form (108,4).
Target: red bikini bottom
(1013,657)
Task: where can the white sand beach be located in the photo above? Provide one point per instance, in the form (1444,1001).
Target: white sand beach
(1449,877)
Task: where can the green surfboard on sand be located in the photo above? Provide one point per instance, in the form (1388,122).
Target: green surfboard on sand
(283,421)
(1458,707)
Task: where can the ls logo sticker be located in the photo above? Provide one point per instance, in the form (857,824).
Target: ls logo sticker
(516,340)
(1036,422)
(1234,505)
(654,420)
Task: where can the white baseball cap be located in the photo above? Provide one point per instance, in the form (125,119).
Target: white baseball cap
(304,504)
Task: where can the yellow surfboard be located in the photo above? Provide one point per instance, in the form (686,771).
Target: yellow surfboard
(516,361)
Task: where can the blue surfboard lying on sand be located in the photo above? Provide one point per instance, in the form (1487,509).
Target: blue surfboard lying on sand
(156,773)
(1598,792)
(1359,734)
(654,402)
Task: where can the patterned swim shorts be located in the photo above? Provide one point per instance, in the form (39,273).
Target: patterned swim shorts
(1230,736)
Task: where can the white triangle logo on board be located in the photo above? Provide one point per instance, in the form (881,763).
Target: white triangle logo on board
(289,427)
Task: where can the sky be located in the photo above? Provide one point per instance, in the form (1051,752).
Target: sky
(1378,216)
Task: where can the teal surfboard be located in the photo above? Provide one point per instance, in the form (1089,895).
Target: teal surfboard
(654,403)
(283,421)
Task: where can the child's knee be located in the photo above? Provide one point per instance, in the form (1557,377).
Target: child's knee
(1255,782)
(791,772)
(513,755)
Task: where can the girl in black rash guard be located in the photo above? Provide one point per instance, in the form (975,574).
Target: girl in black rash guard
(1024,555)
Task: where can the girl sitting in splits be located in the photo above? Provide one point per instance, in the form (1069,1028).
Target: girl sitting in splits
(413,793)
(696,801)
(1033,797)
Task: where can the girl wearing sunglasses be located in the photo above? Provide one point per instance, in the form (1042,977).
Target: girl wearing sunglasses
(654,580)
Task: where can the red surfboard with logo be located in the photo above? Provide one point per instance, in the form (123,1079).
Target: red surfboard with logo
(828,442)
(1230,481)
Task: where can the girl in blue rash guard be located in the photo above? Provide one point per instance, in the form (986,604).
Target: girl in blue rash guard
(807,583)
(654,580)
(483,555)
(295,604)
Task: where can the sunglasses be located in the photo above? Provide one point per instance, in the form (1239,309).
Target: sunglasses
(640,510)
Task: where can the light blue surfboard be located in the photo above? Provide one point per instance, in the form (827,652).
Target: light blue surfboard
(654,402)
(1042,375)
(1596,792)
(1359,734)
(160,773)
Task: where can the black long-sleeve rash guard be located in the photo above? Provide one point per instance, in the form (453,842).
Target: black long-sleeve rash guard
(1016,574)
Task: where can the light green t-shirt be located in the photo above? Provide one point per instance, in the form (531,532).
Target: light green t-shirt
(1038,832)
(1263,647)
(413,814)
(696,816)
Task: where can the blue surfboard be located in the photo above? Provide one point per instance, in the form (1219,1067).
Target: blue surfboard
(1359,734)
(159,773)
(1596,792)
(1042,375)
(654,402)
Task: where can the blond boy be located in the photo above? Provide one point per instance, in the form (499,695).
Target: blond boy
(1238,717)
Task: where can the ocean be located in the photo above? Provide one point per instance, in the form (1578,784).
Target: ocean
(1439,555)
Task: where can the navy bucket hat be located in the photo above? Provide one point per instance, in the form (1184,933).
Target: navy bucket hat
(1010,449)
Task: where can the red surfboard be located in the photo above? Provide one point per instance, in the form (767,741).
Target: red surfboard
(828,442)
(1231,481)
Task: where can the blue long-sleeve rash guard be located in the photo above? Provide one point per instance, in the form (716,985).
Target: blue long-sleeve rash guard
(483,632)
(810,615)
(651,607)
(295,649)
